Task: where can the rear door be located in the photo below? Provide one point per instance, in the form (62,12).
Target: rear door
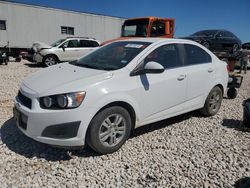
(200,74)
(86,46)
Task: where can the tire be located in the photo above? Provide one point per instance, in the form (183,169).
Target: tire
(232,93)
(50,60)
(213,102)
(18,59)
(104,135)
(206,44)
(235,48)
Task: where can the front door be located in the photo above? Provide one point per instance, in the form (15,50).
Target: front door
(162,94)
(70,51)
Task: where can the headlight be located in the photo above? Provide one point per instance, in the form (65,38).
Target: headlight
(62,101)
(47,102)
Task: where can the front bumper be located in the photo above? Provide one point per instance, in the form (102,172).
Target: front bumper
(54,127)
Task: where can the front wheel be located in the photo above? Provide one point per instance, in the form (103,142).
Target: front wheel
(213,102)
(109,130)
(50,60)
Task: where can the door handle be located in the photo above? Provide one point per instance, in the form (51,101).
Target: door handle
(210,70)
(181,77)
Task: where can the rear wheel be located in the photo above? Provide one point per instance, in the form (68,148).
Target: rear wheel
(50,60)
(206,44)
(213,102)
(236,48)
(109,130)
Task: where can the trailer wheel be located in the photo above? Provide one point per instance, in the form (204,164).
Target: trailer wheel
(18,59)
(232,93)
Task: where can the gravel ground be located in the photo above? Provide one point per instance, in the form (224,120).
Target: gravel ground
(185,151)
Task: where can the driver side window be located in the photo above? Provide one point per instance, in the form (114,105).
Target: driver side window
(167,55)
(70,44)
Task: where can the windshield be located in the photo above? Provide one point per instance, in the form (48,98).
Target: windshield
(113,56)
(208,33)
(135,28)
(57,42)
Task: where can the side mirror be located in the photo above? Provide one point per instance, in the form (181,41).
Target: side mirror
(151,67)
(63,47)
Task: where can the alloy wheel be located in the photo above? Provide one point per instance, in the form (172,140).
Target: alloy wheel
(112,130)
(214,102)
(50,61)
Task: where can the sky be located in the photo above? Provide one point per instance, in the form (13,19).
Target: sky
(190,15)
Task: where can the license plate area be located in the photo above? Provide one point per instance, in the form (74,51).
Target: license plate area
(20,118)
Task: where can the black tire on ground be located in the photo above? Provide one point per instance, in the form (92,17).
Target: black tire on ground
(213,102)
(50,60)
(18,59)
(6,62)
(109,130)
(232,93)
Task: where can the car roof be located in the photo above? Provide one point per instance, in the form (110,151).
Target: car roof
(158,40)
(86,38)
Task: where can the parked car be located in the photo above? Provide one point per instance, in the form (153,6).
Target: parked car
(101,97)
(217,40)
(63,50)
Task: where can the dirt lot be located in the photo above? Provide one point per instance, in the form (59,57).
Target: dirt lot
(185,151)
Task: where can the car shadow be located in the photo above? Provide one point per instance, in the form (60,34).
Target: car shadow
(19,143)
(33,65)
(162,124)
(242,183)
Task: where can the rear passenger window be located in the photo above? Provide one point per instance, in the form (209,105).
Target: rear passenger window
(95,44)
(196,55)
(168,56)
(85,43)
(88,43)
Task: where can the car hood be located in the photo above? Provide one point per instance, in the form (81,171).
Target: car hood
(64,78)
(40,45)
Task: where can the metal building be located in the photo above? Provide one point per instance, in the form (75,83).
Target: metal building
(23,24)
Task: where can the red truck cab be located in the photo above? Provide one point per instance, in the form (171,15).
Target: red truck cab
(146,27)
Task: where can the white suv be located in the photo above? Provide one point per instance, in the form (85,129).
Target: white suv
(101,97)
(63,50)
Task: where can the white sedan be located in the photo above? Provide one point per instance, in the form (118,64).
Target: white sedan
(98,99)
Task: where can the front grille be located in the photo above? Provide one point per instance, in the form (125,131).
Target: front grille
(24,100)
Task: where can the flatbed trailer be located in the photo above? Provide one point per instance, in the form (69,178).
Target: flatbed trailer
(235,79)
